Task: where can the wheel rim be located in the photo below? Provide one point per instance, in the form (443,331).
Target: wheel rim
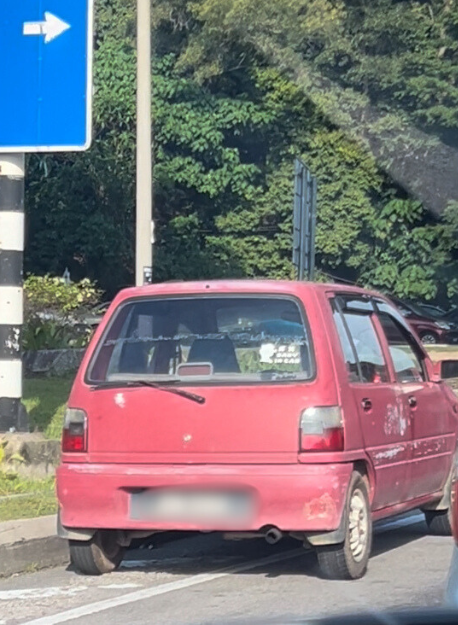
(428,339)
(358,525)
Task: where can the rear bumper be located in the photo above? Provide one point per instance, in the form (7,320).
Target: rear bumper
(308,498)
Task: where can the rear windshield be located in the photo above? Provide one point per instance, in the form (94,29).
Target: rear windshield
(217,338)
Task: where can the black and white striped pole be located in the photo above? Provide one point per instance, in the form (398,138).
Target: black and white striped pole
(11,290)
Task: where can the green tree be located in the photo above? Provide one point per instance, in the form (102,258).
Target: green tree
(365,92)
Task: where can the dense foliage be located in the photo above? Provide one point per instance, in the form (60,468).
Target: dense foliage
(54,312)
(366,92)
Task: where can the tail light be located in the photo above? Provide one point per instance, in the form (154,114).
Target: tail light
(322,429)
(74,435)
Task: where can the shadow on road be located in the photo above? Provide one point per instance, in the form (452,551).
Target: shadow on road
(207,553)
(395,538)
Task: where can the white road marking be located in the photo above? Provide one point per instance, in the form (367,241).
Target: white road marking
(40,593)
(142,563)
(118,586)
(138,564)
(203,578)
(148,593)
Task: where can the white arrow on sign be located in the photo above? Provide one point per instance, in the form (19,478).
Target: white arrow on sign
(51,27)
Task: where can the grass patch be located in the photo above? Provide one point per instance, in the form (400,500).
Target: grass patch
(22,498)
(45,400)
(442,352)
(442,348)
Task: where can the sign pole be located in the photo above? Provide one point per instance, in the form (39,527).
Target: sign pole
(144,204)
(11,290)
(313,208)
(304,221)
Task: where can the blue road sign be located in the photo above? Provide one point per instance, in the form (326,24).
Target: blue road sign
(45,75)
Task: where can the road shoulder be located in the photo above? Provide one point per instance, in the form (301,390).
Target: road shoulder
(30,544)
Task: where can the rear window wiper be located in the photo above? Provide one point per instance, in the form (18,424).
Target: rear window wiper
(160,387)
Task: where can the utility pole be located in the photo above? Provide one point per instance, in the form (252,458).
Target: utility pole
(144,204)
(11,291)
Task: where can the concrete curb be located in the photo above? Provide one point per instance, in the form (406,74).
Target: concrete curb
(27,545)
(31,544)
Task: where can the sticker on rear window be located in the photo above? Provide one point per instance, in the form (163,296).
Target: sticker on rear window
(274,354)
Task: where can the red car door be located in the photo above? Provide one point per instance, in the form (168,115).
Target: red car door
(423,405)
(386,433)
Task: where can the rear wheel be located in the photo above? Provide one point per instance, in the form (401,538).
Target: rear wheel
(438,522)
(349,559)
(102,554)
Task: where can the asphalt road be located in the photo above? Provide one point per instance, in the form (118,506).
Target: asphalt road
(202,579)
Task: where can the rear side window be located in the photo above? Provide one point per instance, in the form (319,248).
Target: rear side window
(406,359)
(236,338)
(360,344)
(368,348)
(348,352)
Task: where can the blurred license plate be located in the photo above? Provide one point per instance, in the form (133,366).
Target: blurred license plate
(189,506)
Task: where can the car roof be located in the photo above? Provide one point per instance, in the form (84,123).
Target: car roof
(285,287)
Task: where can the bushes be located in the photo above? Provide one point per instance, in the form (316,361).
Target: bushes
(39,334)
(49,294)
(54,312)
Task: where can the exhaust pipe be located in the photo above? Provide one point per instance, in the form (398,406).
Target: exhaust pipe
(273,535)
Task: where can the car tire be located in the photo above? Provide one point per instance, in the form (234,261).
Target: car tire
(349,559)
(438,522)
(429,338)
(102,554)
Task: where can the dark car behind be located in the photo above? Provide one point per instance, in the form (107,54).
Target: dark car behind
(429,329)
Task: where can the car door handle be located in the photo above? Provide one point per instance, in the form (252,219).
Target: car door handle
(412,401)
(367,405)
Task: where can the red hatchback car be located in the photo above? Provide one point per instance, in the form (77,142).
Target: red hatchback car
(252,408)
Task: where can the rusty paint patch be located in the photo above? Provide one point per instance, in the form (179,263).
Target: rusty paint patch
(389,454)
(395,420)
(428,448)
(321,507)
(120,400)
